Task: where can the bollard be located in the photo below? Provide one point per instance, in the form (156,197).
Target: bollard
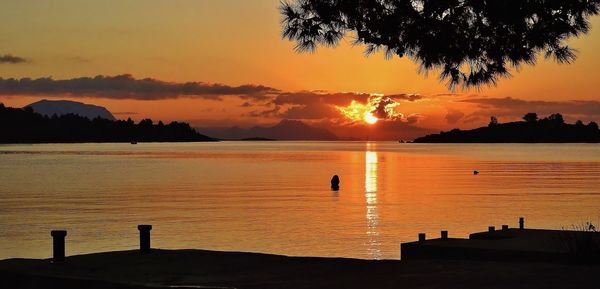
(58,245)
(444,235)
(421,237)
(504,227)
(521,223)
(144,238)
(491,229)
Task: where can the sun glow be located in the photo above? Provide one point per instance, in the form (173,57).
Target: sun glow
(376,108)
(370,118)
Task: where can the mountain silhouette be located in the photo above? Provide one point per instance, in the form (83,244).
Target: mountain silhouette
(551,129)
(284,130)
(62,107)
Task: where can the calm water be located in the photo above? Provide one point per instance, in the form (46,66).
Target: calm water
(274,196)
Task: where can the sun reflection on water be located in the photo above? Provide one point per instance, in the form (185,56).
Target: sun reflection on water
(372,216)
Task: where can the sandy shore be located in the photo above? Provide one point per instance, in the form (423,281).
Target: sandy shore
(211,269)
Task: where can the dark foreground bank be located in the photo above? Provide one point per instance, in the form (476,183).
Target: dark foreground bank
(210,269)
(23,125)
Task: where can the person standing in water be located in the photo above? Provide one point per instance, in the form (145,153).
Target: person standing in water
(335,183)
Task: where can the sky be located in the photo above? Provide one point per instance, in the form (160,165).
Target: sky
(242,73)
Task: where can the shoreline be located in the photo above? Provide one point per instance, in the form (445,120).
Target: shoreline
(217,269)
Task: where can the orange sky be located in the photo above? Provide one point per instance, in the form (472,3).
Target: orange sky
(237,42)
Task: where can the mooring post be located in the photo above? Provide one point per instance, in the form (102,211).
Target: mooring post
(444,235)
(491,229)
(421,237)
(521,223)
(504,227)
(58,245)
(144,238)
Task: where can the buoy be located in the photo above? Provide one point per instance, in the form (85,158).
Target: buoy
(335,183)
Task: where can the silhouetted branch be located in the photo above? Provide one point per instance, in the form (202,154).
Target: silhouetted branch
(471,42)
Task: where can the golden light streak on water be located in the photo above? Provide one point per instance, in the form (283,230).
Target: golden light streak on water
(372,215)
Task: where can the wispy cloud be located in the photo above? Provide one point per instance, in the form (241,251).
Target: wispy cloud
(11,59)
(79,59)
(127,87)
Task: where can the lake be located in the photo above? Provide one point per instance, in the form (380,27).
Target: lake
(275,197)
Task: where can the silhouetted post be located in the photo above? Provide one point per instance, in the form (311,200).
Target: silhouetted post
(144,238)
(58,245)
(521,223)
(504,227)
(421,237)
(335,183)
(491,229)
(444,235)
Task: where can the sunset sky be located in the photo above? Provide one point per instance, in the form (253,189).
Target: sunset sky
(238,44)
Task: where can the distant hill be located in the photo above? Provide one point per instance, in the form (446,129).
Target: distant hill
(552,129)
(23,125)
(62,107)
(284,130)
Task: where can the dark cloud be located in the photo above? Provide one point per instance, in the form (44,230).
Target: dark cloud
(381,110)
(127,87)
(407,97)
(273,112)
(413,118)
(79,59)
(311,105)
(311,111)
(312,97)
(454,115)
(7,58)
(511,108)
(336,98)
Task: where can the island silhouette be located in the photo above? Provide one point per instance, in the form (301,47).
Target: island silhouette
(23,125)
(551,129)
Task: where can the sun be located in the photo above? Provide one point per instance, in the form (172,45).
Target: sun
(370,118)
(360,112)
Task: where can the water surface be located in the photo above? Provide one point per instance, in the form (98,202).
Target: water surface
(274,197)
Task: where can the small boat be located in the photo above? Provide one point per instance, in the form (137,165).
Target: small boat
(133,142)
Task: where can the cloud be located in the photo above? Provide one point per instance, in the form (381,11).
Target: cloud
(407,97)
(312,105)
(334,98)
(127,87)
(8,58)
(454,115)
(509,107)
(79,59)
(273,112)
(313,97)
(311,111)
(413,118)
